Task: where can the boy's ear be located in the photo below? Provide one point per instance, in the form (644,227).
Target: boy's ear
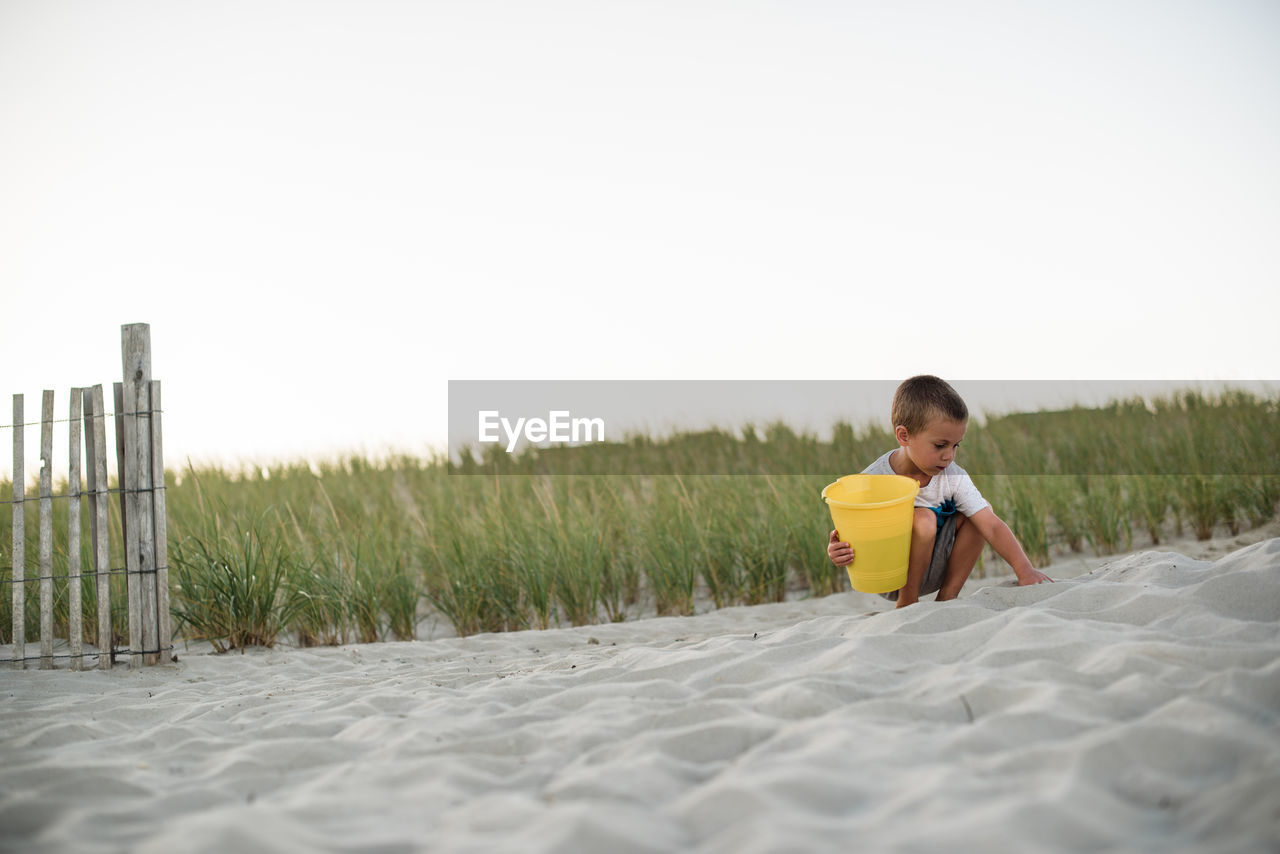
(900,433)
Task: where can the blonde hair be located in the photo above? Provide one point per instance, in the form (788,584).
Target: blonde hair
(923,398)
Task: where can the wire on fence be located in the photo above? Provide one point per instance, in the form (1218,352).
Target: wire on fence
(115,570)
(88,493)
(115,651)
(144,413)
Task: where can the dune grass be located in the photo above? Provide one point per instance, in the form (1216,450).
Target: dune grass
(358,550)
(233,588)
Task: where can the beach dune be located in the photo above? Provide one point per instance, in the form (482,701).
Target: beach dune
(1135,707)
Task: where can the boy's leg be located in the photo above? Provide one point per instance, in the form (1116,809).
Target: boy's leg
(924,528)
(964,556)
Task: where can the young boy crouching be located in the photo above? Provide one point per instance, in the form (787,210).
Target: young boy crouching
(952,519)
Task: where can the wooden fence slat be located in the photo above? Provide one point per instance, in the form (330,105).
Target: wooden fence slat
(75,626)
(118,392)
(135,349)
(96,448)
(46,531)
(19,573)
(127,466)
(161,527)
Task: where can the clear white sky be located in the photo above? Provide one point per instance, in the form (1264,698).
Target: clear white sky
(326,210)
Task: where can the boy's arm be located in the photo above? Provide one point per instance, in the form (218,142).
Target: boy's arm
(997,533)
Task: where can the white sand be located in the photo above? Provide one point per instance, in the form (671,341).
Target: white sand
(1134,708)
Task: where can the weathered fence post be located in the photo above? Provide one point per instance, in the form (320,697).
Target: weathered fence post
(75,628)
(127,477)
(19,574)
(135,348)
(160,527)
(95,441)
(46,531)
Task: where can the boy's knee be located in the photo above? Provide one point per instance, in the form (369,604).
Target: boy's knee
(924,525)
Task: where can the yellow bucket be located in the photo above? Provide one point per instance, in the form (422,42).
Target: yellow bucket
(872,513)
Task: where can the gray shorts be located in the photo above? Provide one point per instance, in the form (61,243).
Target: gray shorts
(942,545)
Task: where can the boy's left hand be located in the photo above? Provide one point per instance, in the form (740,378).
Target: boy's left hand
(1032,576)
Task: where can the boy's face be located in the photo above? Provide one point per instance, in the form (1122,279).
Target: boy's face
(932,448)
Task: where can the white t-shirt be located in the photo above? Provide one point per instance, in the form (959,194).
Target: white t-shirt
(952,482)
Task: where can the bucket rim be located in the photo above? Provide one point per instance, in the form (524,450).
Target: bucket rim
(834,502)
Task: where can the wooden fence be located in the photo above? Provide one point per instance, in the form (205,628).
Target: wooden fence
(140,486)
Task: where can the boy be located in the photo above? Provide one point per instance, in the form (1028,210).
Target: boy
(952,519)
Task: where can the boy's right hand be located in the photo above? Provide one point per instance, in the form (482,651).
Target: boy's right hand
(841,554)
